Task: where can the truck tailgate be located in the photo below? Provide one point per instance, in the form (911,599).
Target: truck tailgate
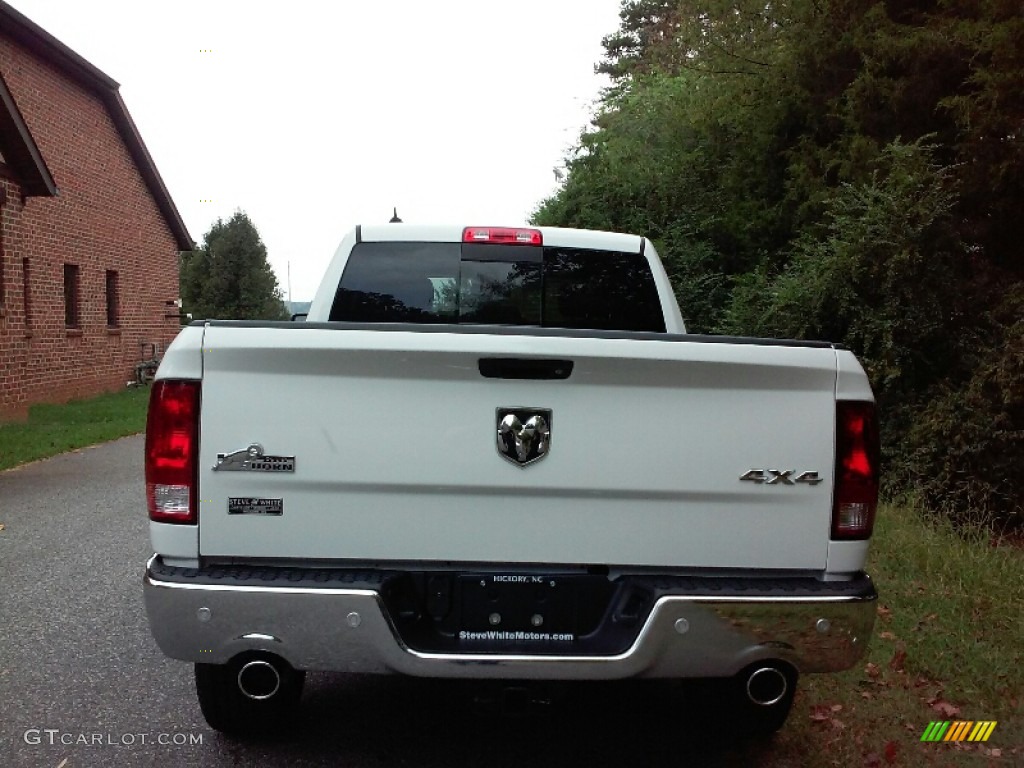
(394,438)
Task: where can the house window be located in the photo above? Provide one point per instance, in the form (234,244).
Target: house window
(71,313)
(113,321)
(25,292)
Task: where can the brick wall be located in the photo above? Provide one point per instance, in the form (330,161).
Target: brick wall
(103,219)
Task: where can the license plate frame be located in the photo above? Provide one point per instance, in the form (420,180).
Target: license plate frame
(511,608)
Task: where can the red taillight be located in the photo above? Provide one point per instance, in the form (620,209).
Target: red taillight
(502,236)
(172,450)
(857,457)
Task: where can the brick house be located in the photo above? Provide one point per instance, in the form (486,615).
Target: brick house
(90,238)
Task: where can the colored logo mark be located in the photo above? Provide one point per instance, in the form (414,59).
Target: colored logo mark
(959,730)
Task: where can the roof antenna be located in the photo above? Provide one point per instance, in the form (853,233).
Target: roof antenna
(394,218)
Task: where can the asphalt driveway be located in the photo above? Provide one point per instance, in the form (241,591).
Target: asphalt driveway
(82,683)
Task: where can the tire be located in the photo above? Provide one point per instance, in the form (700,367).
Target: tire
(229,710)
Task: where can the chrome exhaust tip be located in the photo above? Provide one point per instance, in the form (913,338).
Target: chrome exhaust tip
(259,680)
(767,686)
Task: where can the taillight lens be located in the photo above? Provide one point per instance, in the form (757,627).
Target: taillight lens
(172,451)
(857,458)
(502,236)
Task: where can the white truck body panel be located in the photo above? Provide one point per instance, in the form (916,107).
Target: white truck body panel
(394,438)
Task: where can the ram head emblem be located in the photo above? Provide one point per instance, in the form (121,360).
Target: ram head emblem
(524,434)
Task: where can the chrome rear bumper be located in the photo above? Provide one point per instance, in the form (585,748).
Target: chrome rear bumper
(350,630)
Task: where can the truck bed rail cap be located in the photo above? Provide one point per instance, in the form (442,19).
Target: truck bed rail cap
(518,330)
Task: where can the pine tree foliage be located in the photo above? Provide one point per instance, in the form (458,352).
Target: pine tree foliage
(229,278)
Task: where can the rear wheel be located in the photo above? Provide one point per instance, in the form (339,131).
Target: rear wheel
(252,694)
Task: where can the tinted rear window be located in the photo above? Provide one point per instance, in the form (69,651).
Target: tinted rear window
(402,282)
(604,290)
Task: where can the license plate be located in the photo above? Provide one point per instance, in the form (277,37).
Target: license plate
(513,608)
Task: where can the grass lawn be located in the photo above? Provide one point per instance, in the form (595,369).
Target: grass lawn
(53,429)
(948,645)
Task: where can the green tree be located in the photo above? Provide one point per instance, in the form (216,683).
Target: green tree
(850,170)
(229,278)
(884,274)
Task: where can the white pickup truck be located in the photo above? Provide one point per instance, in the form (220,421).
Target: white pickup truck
(496,453)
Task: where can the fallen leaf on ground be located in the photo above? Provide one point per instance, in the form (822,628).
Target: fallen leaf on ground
(944,708)
(872,760)
(884,611)
(925,620)
(887,636)
(891,748)
(897,660)
(866,695)
(872,670)
(836,707)
(820,713)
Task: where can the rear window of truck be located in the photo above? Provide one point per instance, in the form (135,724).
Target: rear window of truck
(550,287)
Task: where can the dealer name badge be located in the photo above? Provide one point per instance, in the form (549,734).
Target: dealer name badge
(247,505)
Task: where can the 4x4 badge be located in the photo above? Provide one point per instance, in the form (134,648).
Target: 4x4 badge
(780,477)
(524,434)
